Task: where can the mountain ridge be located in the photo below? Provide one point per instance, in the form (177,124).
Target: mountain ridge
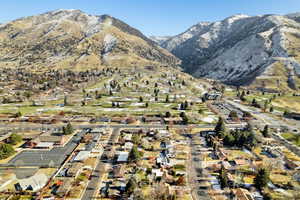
(72,38)
(241,49)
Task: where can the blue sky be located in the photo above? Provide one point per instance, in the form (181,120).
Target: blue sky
(153,17)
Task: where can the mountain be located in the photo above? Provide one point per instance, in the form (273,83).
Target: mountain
(261,51)
(73,39)
(159,39)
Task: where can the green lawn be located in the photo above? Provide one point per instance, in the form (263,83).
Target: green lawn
(292,138)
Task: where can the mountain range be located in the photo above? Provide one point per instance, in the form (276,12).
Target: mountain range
(257,51)
(262,51)
(73,39)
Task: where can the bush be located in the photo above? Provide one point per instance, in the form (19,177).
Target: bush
(14,139)
(6,150)
(233,115)
(68,130)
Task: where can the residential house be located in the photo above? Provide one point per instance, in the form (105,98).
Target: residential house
(81,156)
(57,140)
(123,157)
(158,173)
(44,145)
(152,120)
(128,146)
(173,120)
(128,137)
(214,95)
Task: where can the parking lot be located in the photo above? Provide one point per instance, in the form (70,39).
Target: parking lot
(40,158)
(225,108)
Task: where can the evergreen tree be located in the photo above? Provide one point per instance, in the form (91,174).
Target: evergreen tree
(67,130)
(185,119)
(254,102)
(229,140)
(265,132)
(70,128)
(134,154)
(242,97)
(223,178)
(266,105)
(186,105)
(261,179)
(251,140)
(220,127)
(168,114)
(285,113)
(18,114)
(131,186)
(141,99)
(66,101)
(167,98)
(181,107)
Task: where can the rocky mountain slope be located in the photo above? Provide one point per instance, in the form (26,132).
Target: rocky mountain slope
(73,39)
(263,51)
(159,39)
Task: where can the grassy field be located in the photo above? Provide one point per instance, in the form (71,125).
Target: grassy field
(292,138)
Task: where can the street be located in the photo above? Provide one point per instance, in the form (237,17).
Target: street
(93,185)
(265,118)
(195,169)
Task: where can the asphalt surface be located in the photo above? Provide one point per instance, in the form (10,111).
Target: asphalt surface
(39,158)
(41,127)
(93,185)
(265,118)
(195,167)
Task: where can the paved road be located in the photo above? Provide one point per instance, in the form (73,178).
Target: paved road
(41,127)
(195,168)
(265,118)
(93,185)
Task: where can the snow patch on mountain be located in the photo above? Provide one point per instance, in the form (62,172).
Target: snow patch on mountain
(237,49)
